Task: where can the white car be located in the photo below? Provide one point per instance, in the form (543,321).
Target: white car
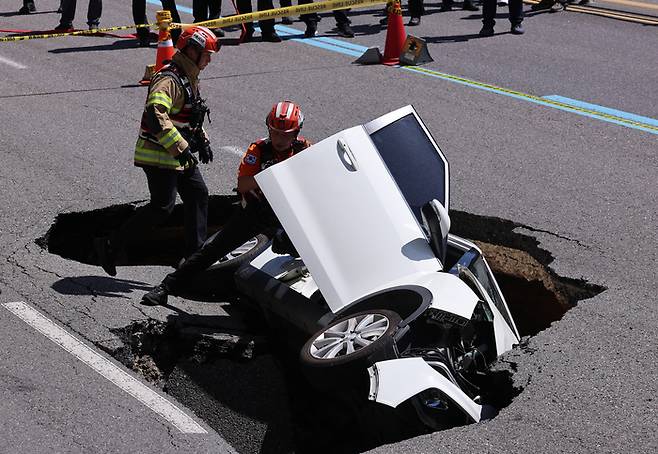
(381,290)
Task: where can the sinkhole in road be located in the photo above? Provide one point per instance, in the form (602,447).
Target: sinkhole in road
(245,383)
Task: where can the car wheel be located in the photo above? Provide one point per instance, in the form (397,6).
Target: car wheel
(344,349)
(240,255)
(217,280)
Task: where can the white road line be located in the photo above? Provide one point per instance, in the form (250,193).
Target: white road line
(9,62)
(106,368)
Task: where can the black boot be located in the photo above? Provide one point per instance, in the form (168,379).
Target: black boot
(345,30)
(270,36)
(156,297)
(469,6)
(311,29)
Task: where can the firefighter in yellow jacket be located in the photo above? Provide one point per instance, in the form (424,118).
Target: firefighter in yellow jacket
(170,133)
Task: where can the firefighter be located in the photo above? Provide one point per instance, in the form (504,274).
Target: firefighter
(284,122)
(170,132)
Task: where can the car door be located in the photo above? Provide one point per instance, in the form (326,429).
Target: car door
(347,218)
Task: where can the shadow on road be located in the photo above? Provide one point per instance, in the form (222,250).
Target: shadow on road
(121,44)
(99,286)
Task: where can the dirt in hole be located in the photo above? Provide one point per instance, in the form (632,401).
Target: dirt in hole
(535,294)
(249,388)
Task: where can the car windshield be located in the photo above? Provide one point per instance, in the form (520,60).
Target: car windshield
(413,161)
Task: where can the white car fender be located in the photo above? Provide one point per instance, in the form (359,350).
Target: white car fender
(394,381)
(449,293)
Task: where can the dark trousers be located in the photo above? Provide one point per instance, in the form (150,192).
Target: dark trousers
(139,16)
(163,185)
(240,228)
(340,15)
(416,8)
(204,10)
(489,12)
(94,11)
(244,7)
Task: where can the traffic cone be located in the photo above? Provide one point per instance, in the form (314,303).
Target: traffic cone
(165,49)
(395,34)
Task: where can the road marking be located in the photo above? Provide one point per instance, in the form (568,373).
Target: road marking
(9,62)
(106,368)
(580,110)
(604,110)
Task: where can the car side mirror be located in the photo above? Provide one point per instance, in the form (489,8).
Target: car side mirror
(437,223)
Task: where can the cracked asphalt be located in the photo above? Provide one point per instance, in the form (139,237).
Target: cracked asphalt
(583,188)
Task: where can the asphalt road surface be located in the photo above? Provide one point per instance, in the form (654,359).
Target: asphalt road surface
(582,179)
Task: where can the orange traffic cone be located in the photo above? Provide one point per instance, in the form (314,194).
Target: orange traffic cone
(395,34)
(165,47)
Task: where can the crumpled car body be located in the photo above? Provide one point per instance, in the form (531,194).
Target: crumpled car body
(380,286)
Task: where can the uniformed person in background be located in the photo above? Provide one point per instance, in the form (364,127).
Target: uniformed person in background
(284,122)
(170,133)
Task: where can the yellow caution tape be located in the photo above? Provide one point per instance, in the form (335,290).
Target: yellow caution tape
(78,33)
(286,11)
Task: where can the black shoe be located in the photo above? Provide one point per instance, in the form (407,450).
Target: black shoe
(144,37)
(383,21)
(27,9)
(64,28)
(557,7)
(286,20)
(414,21)
(487,30)
(105,255)
(156,297)
(517,29)
(311,29)
(469,6)
(218,32)
(270,37)
(446,7)
(345,30)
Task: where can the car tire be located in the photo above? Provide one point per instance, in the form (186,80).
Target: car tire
(217,280)
(339,354)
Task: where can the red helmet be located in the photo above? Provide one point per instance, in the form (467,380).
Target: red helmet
(285,116)
(200,37)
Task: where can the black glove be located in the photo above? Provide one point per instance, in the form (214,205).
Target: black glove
(186,158)
(205,152)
